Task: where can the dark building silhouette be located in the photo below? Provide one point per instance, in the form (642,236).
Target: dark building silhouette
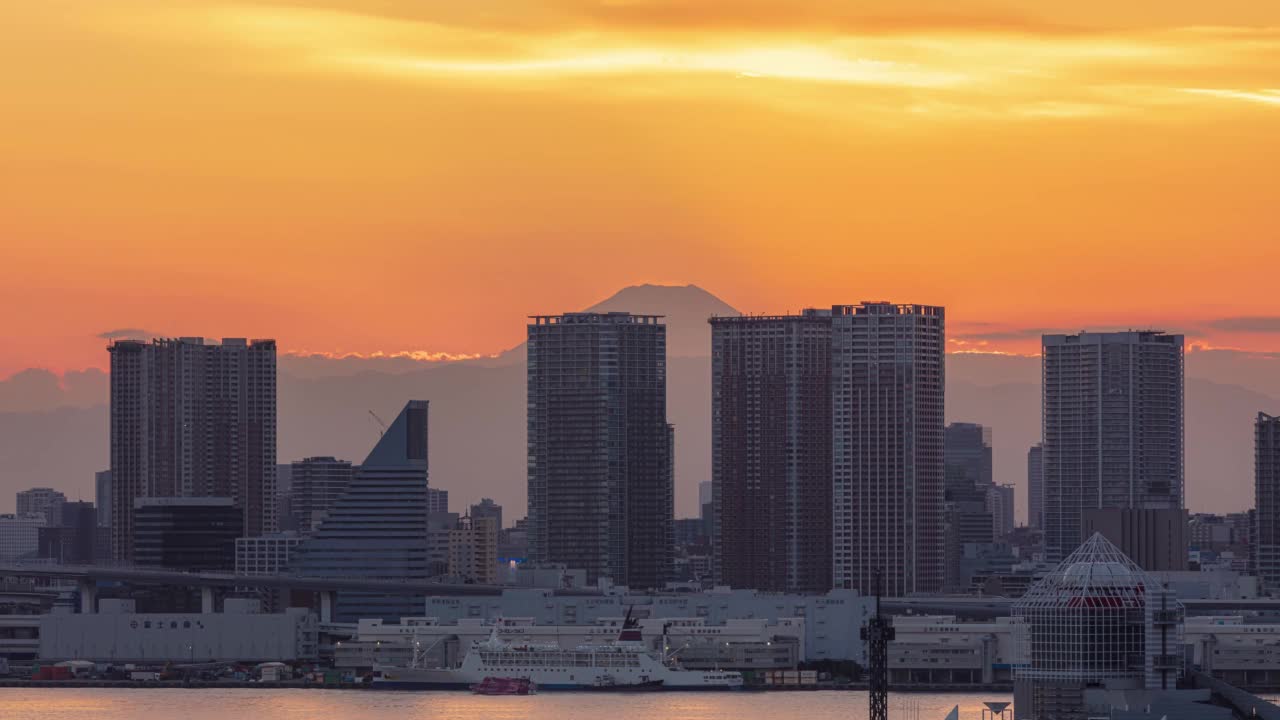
(887,377)
(968,462)
(601,496)
(1113,428)
(74,536)
(1035,487)
(1266,487)
(195,534)
(771,451)
(193,419)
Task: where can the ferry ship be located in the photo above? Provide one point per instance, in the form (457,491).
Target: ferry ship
(625,664)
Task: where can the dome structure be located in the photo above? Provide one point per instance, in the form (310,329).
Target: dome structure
(1098,620)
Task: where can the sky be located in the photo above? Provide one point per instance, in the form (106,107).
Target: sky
(416,176)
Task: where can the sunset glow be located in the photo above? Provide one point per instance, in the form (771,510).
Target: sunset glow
(414,177)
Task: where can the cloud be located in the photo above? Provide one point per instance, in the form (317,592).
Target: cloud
(126,333)
(1266,96)
(1248,324)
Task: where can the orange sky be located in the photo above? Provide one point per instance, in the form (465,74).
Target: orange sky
(418,175)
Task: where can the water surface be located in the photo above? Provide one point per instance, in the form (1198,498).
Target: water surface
(242,704)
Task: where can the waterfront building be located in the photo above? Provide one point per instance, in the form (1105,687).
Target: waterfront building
(1097,621)
(240,633)
(20,535)
(102,495)
(378,528)
(42,501)
(1266,536)
(942,650)
(771,451)
(194,534)
(193,419)
(1035,487)
(1113,428)
(887,375)
(315,484)
(1240,651)
(600,453)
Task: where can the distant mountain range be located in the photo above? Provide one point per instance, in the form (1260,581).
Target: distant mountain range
(53,431)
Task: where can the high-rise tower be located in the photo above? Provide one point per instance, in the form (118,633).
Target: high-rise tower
(887,376)
(1266,469)
(601,494)
(193,419)
(1113,428)
(771,451)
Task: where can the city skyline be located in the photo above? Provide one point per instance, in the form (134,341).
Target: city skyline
(1225,390)
(1011,145)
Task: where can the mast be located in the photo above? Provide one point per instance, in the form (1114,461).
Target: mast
(877,634)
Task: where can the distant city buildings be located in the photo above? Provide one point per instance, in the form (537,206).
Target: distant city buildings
(1113,428)
(487,508)
(771,451)
(473,550)
(1000,503)
(601,494)
(193,419)
(20,535)
(968,517)
(1266,539)
(378,527)
(1155,539)
(1035,487)
(102,494)
(74,536)
(316,483)
(42,501)
(887,404)
(437,500)
(967,453)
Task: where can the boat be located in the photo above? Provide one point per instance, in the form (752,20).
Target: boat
(505,686)
(626,664)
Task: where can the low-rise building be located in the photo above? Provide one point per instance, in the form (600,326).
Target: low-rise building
(1243,654)
(941,650)
(116,633)
(265,554)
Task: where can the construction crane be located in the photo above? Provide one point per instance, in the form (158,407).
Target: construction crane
(381,424)
(877,634)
